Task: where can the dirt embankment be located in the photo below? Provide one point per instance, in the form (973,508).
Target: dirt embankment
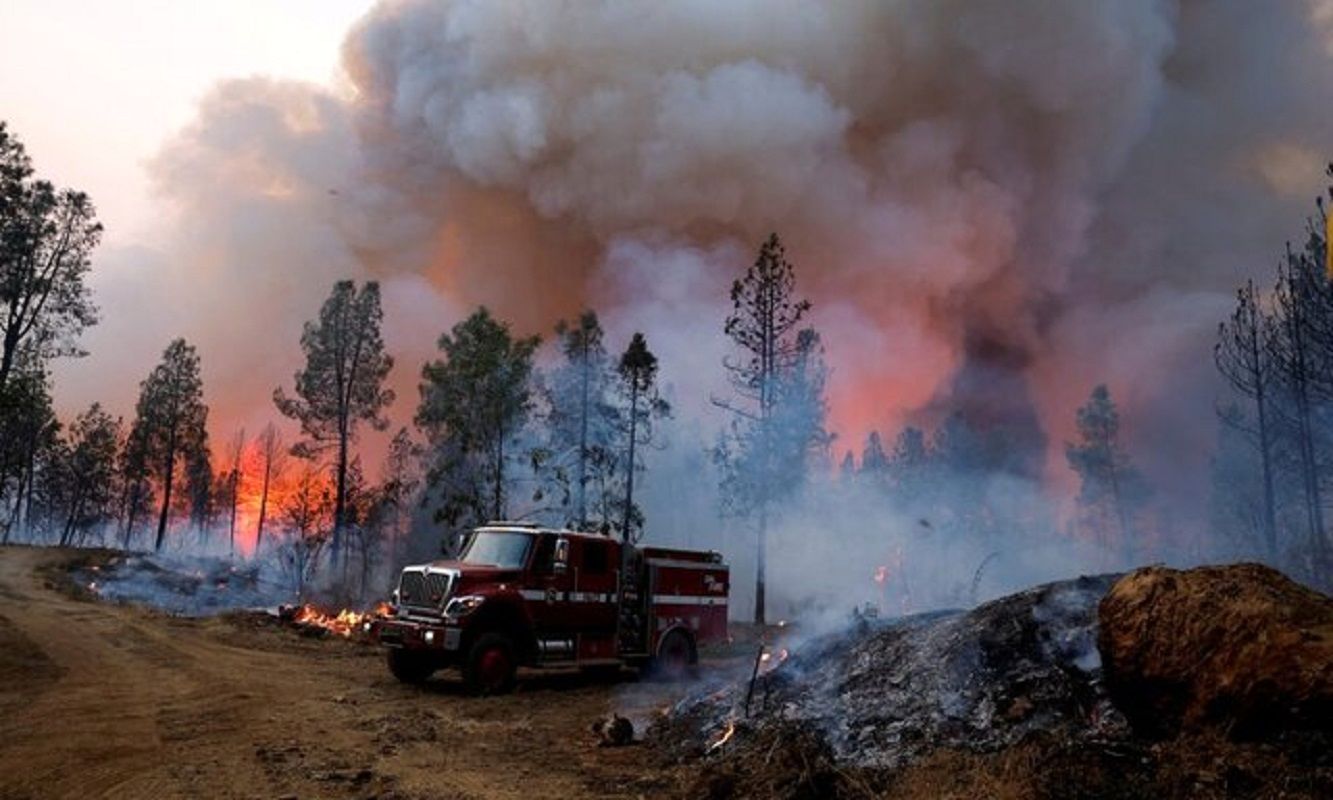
(1241,647)
(100,700)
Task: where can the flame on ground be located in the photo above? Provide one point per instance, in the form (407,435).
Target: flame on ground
(724,736)
(344,623)
(769,661)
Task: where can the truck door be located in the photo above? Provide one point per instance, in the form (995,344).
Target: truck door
(594,598)
(551,580)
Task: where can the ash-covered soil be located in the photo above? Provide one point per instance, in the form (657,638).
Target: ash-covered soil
(1011,699)
(111,700)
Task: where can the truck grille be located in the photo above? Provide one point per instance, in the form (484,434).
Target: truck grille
(423,590)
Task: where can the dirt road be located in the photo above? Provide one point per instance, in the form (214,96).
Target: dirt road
(98,700)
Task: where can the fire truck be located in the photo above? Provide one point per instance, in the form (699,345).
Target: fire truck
(523,595)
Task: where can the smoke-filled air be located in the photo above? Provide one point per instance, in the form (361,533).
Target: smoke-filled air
(1007,234)
(828,398)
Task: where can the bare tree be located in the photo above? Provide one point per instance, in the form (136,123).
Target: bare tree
(274,458)
(1292,347)
(236,453)
(1245,361)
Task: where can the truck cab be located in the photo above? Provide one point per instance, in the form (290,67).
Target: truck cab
(522,595)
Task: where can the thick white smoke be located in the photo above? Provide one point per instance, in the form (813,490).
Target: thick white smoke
(1061,192)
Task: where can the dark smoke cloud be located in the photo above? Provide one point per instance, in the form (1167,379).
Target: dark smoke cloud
(988,200)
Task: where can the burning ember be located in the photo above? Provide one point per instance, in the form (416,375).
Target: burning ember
(724,736)
(893,574)
(772,660)
(345,623)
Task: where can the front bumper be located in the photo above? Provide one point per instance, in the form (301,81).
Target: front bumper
(407,634)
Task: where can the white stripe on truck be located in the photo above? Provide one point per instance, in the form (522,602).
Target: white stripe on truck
(687,600)
(539,596)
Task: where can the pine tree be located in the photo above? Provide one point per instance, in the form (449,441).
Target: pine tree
(308,513)
(400,481)
(583,421)
(201,502)
(87,473)
(46,239)
(341,385)
(1110,491)
(28,434)
(136,493)
(638,376)
(474,403)
(756,455)
(874,461)
(170,423)
(236,455)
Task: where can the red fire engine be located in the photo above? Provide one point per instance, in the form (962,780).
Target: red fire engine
(522,595)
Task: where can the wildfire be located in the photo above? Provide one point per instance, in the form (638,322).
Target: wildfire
(345,623)
(893,573)
(724,736)
(769,661)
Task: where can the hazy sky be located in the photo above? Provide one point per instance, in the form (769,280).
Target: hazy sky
(92,88)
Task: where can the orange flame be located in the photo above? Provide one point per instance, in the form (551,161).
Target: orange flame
(345,623)
(725,736)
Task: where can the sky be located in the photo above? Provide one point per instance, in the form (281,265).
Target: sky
(118,78)
(971,190)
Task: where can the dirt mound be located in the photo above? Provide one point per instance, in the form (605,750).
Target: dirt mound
(1238,646)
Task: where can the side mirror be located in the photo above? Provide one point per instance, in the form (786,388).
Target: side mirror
(561,555)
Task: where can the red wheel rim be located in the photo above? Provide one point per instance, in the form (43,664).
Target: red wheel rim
(494,668)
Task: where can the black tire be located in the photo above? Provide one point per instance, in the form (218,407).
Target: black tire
(491,667)
(410,666)
(675,658)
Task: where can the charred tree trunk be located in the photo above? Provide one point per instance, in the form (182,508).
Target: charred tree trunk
(169,475)
(629,477)
(583,444)
(340,496)
(263,503)
(497,507)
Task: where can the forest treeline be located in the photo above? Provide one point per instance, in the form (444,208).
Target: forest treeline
(563,430)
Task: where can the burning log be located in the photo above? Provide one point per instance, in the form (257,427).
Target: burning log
(345,623)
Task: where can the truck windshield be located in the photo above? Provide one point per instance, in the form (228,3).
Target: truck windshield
(506,549)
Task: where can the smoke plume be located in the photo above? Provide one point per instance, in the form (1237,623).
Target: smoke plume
(993,204)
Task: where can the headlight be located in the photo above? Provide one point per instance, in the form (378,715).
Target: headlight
(429,637)
(462,606)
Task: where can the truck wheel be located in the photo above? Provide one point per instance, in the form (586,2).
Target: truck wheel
(674,659)
(410,667)
(490,667)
